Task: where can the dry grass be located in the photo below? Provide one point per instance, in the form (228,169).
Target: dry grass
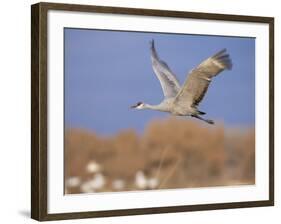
(171,153)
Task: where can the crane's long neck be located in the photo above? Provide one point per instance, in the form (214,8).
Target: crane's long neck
(154,107)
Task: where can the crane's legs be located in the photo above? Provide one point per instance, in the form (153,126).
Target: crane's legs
(203,119)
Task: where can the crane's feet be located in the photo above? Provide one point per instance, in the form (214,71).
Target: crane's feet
(203,119)
(209,121)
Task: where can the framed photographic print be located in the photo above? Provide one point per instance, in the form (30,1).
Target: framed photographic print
(140,111)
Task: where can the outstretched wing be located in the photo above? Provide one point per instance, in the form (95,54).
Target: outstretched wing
(167,78)
(199,79)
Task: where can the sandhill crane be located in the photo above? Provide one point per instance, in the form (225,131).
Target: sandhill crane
(183,101)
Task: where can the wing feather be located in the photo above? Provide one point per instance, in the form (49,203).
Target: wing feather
(167,78)
(199,79)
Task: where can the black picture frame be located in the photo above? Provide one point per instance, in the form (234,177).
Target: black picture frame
(39,105)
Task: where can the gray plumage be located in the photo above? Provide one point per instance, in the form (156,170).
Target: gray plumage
(183,101)
(169,83)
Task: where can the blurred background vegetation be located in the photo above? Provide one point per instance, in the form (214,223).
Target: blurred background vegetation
(171,153)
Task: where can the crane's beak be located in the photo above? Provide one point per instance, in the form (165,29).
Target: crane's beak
(134,106)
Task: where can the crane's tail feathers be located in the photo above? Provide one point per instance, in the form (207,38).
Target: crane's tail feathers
(223,58)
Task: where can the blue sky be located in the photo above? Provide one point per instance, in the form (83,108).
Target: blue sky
(108,71)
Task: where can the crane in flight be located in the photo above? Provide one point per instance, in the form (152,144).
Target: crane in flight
(184,100)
